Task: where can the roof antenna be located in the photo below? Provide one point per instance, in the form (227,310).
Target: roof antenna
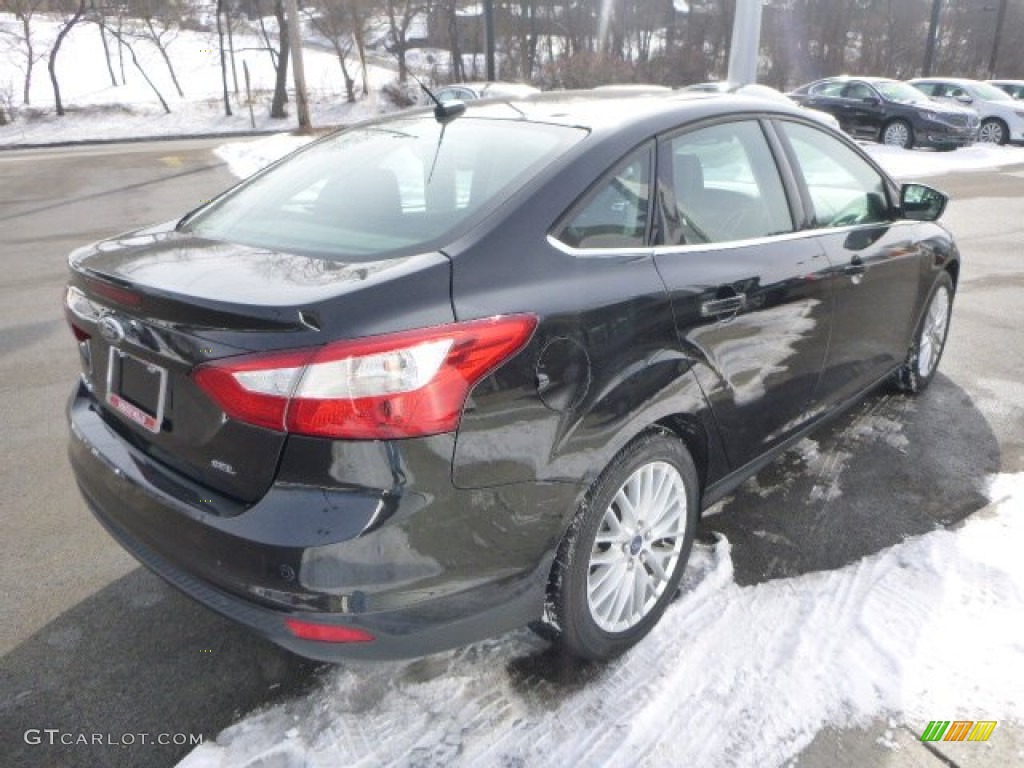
(443,111)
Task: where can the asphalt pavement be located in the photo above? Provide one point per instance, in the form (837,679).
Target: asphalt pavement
(91,643)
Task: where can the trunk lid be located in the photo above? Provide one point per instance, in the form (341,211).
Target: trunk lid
(156,303)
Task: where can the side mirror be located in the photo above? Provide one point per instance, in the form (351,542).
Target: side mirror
(922,203)
(963,98)
(873,101)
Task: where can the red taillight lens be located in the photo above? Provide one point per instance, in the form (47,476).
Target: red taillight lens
(398,385)
(327,633)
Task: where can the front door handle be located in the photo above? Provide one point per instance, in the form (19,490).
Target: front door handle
(727,306)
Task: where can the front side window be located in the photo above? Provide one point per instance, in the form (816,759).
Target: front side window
(615,214)
(845,190)
(832,88)
(395,187)
(859,91)
(721,184)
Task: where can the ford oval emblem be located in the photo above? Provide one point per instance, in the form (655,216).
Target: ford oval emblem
(111,330)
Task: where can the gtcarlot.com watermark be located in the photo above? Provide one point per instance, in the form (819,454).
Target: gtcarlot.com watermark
(55,736)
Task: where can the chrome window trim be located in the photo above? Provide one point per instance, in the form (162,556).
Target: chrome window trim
(664,250)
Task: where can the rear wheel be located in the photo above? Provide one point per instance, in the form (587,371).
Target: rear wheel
(993,131)
(621,561)
(898,133)
(922,361)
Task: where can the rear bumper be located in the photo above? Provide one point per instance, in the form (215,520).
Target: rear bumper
(420,570)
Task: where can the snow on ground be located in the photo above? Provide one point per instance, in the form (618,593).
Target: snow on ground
(97,110)
(919,163)
(732,676)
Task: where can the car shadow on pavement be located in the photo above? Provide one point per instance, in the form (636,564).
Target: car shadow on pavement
(136,658)
(891,468)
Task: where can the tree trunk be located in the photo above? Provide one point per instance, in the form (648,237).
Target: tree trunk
(31,59)
(231,48)
(298,71)
(106,48)
(360,38)
(120,45)
(458,67)
(51,65)
(277,109)
(163,52)
(223,62)
(350,84)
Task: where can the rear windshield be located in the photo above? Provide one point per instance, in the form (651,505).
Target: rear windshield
(385,189)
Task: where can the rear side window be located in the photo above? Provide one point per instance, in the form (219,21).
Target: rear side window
(721,184)
(386,189)
(845,189)
(615,214)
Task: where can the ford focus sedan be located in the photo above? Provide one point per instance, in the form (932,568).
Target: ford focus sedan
(443,375)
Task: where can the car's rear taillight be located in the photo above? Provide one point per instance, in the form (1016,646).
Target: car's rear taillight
(398,385)
(72,299)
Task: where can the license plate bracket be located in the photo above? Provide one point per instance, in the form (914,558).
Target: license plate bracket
(136,389)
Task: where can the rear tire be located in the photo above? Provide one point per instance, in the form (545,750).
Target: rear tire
(898,133)
(619,565)
(924,354)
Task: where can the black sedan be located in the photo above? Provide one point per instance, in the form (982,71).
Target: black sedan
(890,112)
(433,378)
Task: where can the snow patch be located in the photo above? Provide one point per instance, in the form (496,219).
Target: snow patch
(782,659)
(244,158)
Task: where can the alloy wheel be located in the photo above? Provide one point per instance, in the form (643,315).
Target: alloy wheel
(991,132)
(933,332)
(637,546)
(897,135)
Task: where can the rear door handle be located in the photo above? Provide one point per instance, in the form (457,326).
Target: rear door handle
(727,306)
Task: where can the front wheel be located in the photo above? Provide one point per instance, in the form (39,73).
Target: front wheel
(620,563)
(993,131)
(898,133)
(922,361)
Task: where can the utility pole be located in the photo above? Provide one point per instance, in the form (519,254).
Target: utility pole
(746,42)
(1000,18)
(489,38)
(933,34)
(298,71)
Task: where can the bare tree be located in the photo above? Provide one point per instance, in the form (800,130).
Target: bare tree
(298,70)
(400,15)
(332,21)
(23,11)
(160,20)
(72,16)
(277,109)
(223,60)
(135,60)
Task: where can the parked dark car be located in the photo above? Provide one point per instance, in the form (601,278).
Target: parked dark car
(401,391)
(890,112)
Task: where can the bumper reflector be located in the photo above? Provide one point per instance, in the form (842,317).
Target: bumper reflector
(327,633)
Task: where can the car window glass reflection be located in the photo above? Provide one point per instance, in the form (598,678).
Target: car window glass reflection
(725,186)
(844,189)
(616,215)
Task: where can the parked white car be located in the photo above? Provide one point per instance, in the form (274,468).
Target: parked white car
(1002,118)
(1013,87)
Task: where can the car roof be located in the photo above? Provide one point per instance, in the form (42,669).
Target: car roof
(609,112)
